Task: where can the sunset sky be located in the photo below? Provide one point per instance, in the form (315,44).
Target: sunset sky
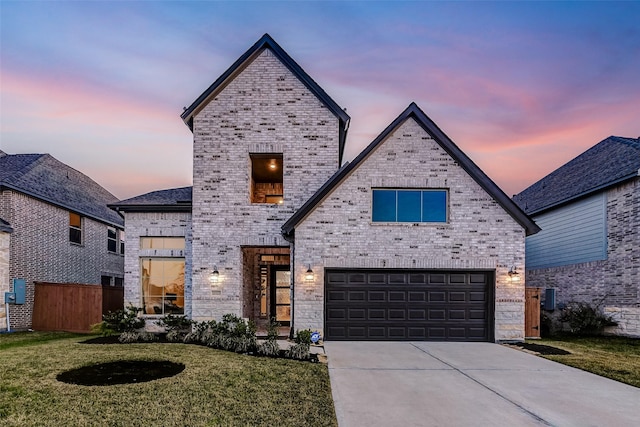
(520,87)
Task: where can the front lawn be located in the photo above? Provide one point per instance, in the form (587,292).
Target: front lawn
(215,388)
(612,357)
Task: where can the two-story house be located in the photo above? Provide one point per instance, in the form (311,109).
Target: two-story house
(589,210)
(409,241)
(57,228)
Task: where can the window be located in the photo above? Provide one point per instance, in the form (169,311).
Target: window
(75,228)
(112,240)
(121,242)
(162,285)
(409,205)
(162,243)
(266,179)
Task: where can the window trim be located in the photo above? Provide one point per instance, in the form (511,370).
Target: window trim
(422,213)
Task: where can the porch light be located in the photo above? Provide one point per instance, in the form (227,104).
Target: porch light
(215,276)
(514,275)
(309,276)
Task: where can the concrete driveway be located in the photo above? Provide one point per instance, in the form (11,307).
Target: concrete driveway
(469,384)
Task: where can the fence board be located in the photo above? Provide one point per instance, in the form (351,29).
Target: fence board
(532,313)
(73,307)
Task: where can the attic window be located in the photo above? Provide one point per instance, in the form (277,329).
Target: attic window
(266,184)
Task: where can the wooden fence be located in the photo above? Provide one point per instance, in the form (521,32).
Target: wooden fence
(73,307)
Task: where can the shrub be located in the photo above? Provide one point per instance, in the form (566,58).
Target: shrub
(269,348)
(175,323)
(303,337)
(584,319)
(119,321)
(299,351)
(129,337)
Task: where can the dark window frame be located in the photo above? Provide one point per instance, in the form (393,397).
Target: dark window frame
(386,205)
(75,228)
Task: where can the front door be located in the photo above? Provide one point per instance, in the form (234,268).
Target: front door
(281,294)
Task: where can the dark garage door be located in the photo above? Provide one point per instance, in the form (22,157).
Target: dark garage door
(407,305)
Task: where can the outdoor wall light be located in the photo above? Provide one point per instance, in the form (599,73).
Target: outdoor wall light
(514,275)
(215,275)
(309,276)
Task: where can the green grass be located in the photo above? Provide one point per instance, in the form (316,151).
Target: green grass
(612,357)
(216,388)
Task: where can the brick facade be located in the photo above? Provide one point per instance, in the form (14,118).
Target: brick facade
(41,251)
(480,234)
(264,109)
(612,284)
(154,224)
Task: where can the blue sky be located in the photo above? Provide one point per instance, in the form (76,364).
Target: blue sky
(521,87)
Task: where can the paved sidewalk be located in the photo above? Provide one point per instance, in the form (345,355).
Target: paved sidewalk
(469,384)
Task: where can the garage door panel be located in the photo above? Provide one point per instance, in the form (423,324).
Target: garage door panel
(377,296)
(457,296)
(437,296)
(405,305)
(415,296)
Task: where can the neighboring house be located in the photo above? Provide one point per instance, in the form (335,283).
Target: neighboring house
(410,241)
(589,212)
(5,241)
(63,231)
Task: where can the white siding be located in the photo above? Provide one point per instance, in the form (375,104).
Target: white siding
(572,234)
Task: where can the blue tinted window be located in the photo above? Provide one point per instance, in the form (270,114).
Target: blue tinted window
(409,206)
(384,205)
(434,206)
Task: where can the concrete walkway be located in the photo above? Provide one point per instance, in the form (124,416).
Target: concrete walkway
(469,384)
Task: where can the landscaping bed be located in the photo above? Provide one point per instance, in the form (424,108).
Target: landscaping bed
(215,387)
(617,358)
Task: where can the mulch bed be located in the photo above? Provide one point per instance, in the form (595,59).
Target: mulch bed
(545,350)
(121,372)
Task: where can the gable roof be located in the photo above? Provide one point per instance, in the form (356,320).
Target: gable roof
(611,161)
(266,42)
(43,177)
(413,111)
(170,200)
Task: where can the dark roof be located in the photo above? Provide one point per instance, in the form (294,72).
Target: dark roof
(611,161)
(266,42)
(413,111)
(45,178)
(5,226)
(171,200)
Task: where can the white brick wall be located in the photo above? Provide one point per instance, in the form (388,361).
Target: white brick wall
(41,251)
(154,224)
(479,234)
(264,109)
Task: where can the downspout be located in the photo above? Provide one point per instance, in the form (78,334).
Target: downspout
(292,279)
(6,305)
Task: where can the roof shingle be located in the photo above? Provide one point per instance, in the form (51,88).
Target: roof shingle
(43,177)
(612,160)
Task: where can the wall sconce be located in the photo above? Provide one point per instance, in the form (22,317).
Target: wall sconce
(308,275)
(514,275)
(215,276)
